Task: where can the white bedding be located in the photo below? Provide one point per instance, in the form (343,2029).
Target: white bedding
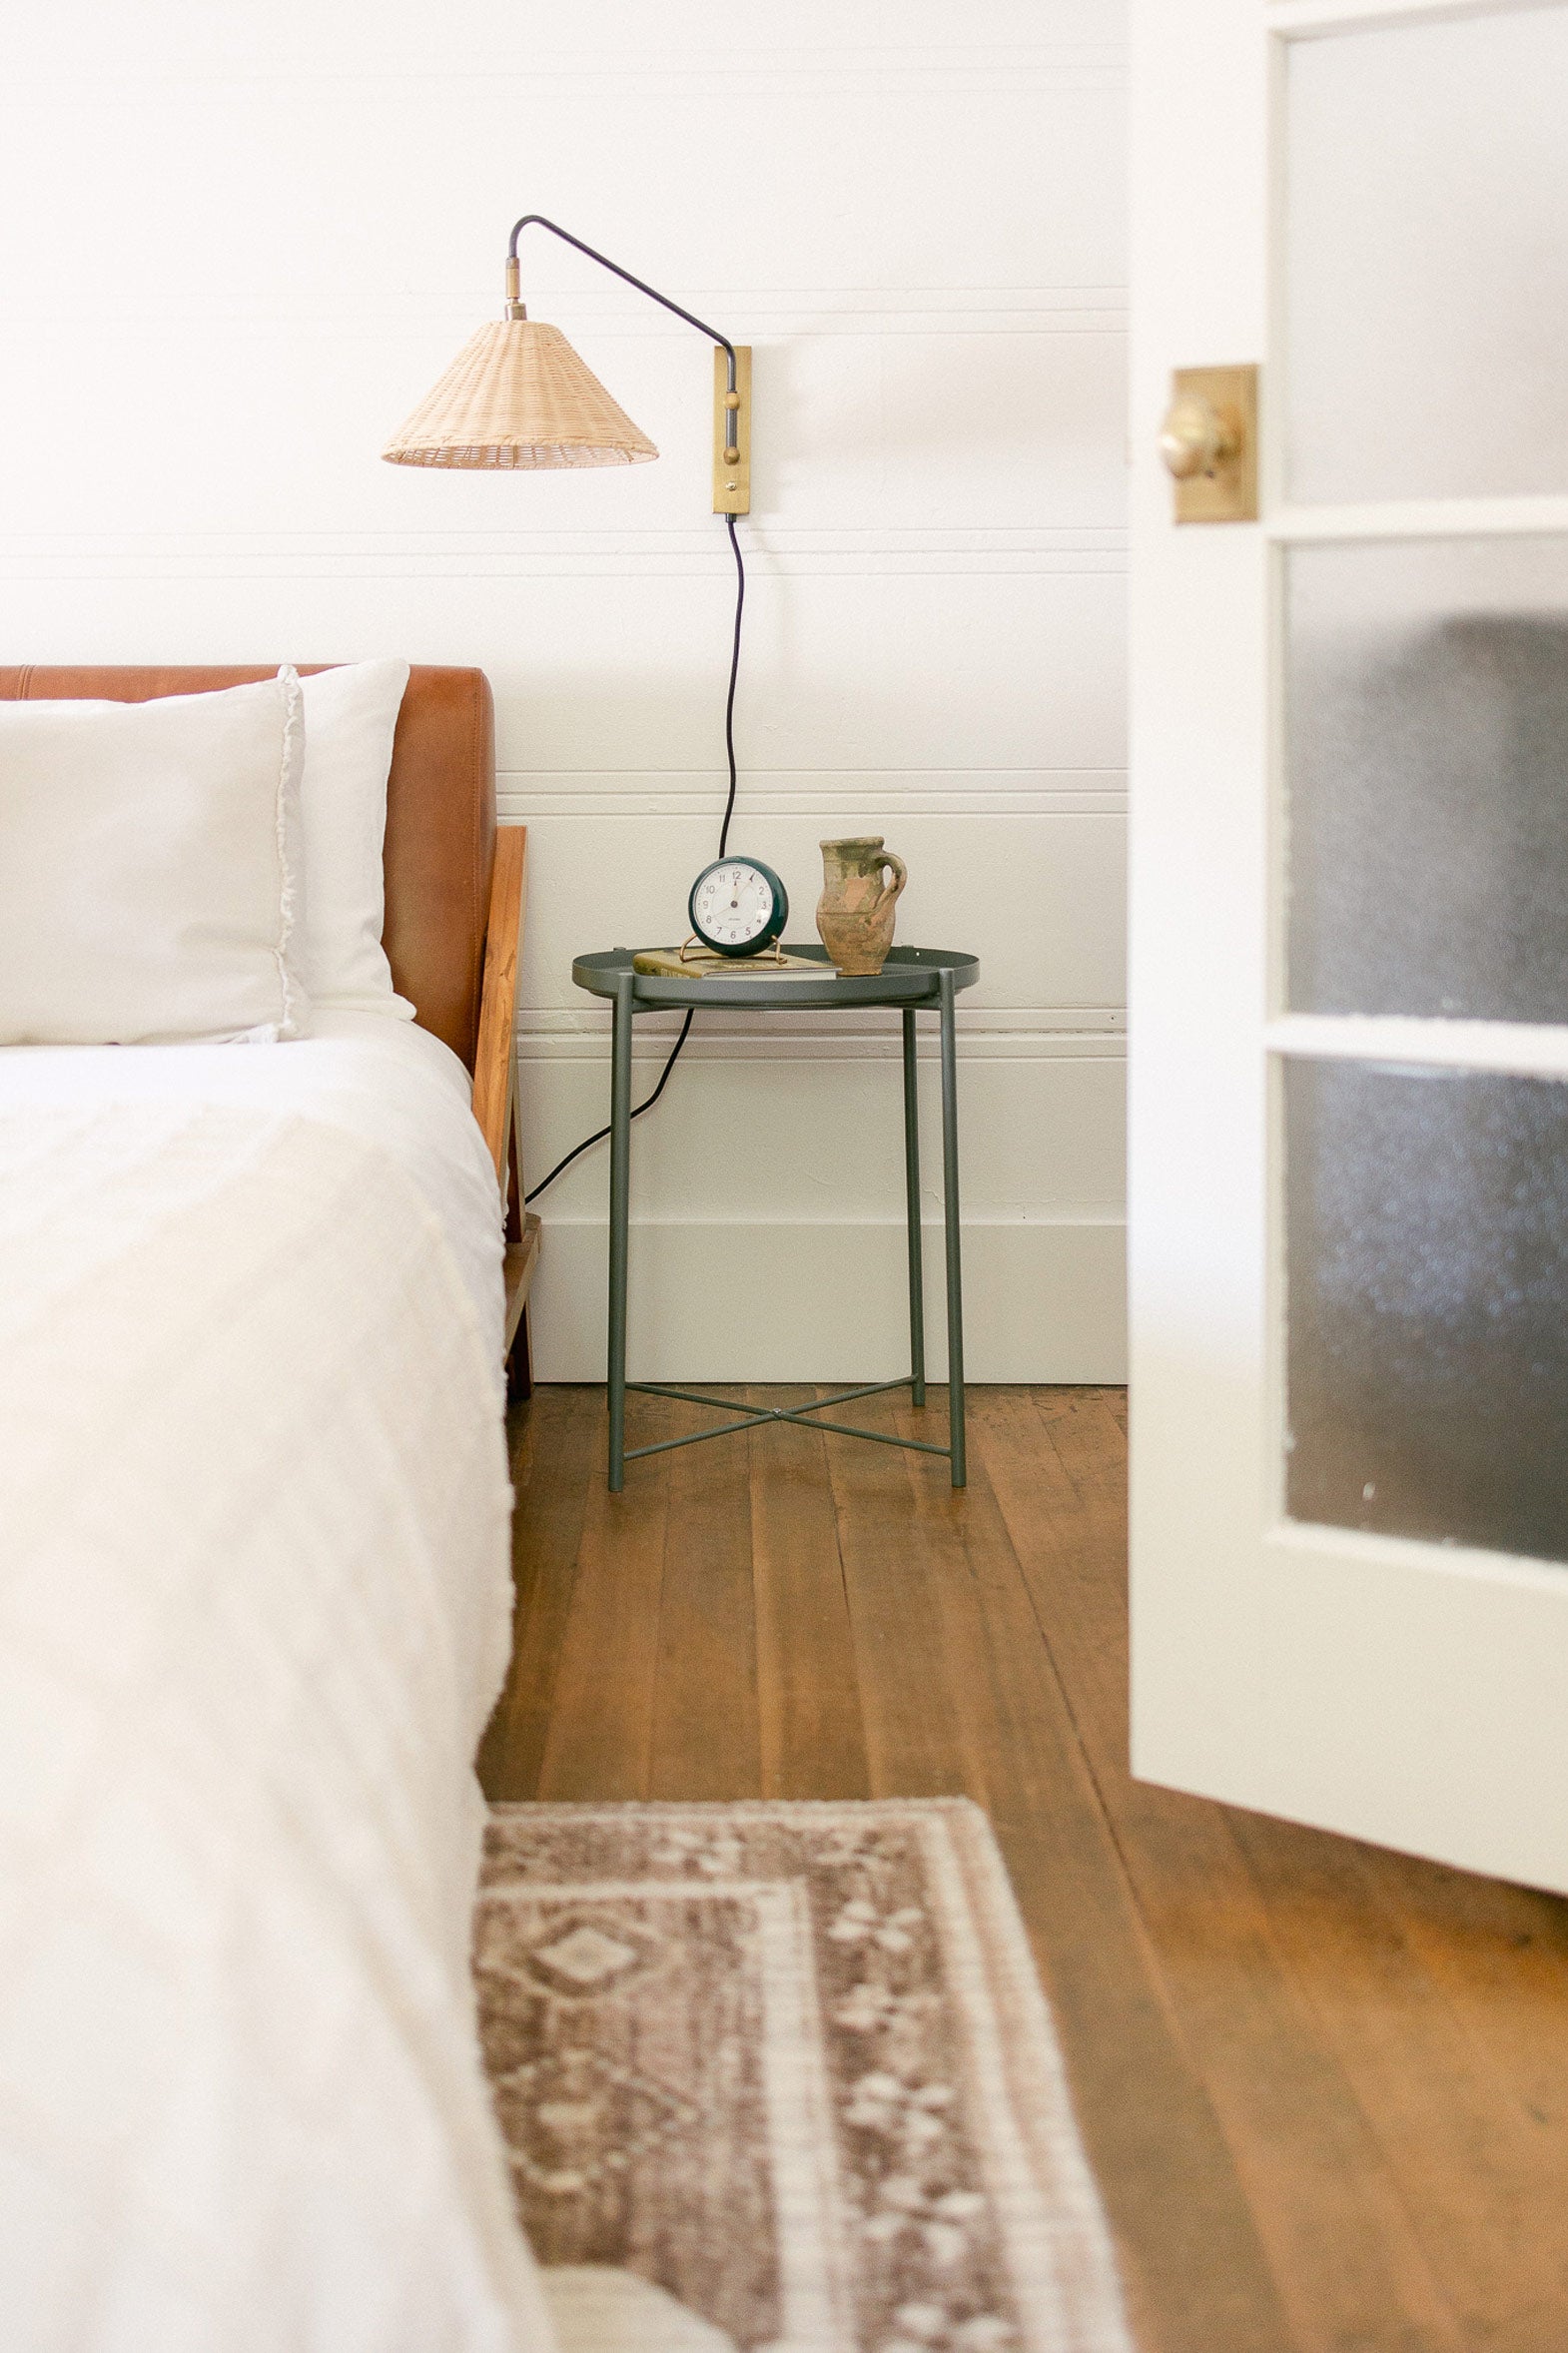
(253,1614)
(372,1074)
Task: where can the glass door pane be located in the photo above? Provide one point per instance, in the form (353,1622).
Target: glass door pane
(1427,1304)
(1426,257)
(1426,755)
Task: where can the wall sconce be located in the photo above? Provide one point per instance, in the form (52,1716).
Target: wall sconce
(517,397)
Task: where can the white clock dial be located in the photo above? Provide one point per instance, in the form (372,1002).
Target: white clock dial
(733,904)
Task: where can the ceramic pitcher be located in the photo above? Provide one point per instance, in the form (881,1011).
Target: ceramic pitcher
(856,910)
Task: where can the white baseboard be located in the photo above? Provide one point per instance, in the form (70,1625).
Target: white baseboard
(777,1301)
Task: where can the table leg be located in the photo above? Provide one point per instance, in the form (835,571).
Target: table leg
(620,1217)
(951,1215)
(917,1300)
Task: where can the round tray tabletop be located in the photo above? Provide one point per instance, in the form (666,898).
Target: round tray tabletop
(911,976)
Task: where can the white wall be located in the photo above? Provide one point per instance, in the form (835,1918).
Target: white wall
(236,244)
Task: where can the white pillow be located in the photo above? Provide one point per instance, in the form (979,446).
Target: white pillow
(351,715)
(151,871)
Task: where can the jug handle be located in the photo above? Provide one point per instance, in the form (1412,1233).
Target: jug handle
(900,876)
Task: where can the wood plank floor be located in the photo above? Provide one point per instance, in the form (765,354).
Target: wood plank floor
(1324,2088)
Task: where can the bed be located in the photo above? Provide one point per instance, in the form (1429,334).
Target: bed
(257,1305)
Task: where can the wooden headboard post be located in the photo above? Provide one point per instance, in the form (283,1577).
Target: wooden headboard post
(496,1103)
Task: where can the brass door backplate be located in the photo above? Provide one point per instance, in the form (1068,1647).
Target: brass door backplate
(1209,444)
(732,430)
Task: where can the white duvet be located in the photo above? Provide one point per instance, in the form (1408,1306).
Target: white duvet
(253,1613)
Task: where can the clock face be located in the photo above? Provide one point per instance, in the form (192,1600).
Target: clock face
(737,905)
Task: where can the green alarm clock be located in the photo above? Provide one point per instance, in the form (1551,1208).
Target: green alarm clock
(737,906)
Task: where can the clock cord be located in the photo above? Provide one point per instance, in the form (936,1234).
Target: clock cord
(649,1101)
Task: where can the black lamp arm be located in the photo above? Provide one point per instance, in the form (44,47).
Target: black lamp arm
(539,221)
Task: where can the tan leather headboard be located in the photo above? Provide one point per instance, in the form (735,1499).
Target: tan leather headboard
(441,820)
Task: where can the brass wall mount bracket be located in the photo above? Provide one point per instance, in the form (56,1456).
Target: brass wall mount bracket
(1209,443)
(732,432)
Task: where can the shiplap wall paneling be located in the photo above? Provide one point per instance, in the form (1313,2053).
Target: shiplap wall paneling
(236,244)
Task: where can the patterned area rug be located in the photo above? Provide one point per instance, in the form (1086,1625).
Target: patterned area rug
(779,2078)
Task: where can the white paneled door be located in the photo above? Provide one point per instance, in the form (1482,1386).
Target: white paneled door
(1349,1091)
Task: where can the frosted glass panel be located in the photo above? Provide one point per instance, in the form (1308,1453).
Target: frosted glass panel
(1427,1304)
(1426,730)
(1427,260)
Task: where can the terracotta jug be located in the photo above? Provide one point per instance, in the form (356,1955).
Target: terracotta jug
(856,910)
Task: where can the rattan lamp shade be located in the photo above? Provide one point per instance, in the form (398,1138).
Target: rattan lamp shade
(517,396)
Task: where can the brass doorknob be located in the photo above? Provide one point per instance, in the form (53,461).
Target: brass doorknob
(1197,438)
(1209,443)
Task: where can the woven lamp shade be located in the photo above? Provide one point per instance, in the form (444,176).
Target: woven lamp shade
(517,396)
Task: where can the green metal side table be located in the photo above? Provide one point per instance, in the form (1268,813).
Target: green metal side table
(912,978)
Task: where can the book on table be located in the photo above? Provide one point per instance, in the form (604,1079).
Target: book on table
(699,964)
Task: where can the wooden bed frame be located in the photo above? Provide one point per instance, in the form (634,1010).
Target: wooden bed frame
(454,899)
(496,1103)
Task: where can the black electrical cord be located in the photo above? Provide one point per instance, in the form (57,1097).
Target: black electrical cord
(734,673)
(729,810)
